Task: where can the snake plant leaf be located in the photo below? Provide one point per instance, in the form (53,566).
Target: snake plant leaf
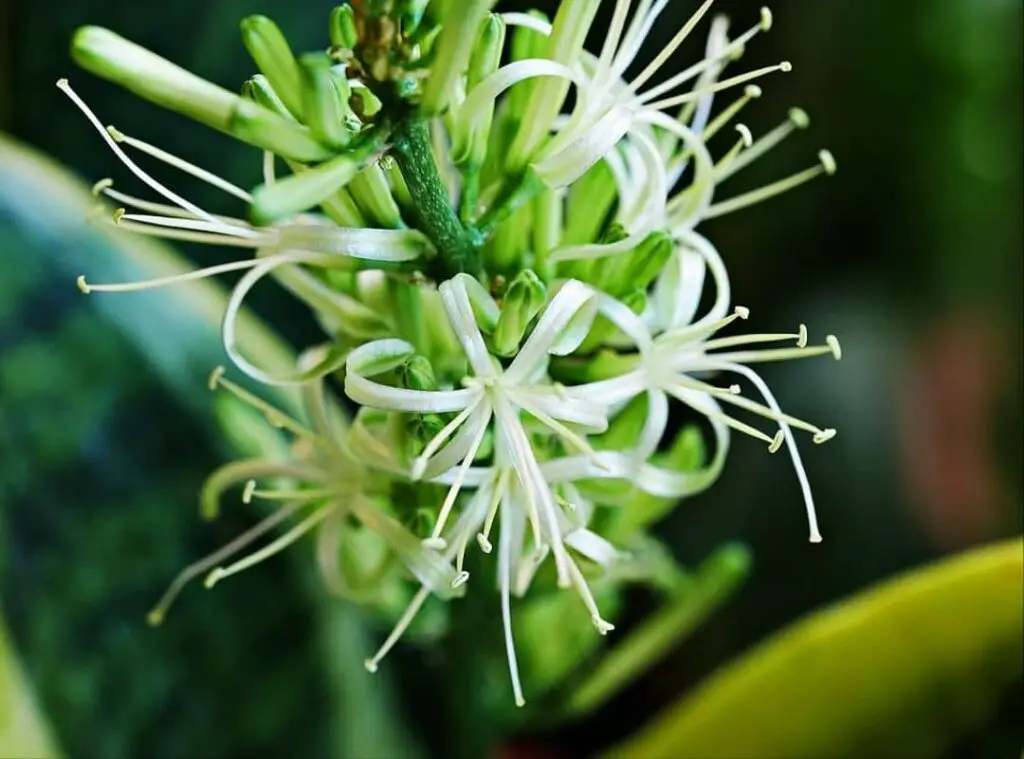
(24,733)
(903,669)
(108,430)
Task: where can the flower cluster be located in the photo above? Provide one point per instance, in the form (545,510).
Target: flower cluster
(511,287)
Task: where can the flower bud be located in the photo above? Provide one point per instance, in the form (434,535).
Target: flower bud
(149,76)
(259,126)
(524,299)
(304,190)
(258,90)
(417,374)
(473,129)
(342,25)
(325,101)
(273,56)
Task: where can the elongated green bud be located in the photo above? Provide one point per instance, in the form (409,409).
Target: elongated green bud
(304,190)
(453,46)
(258,90)
(472,139)
(325,101)
(108,55)
(259,126)
(342,25)
(273,56)
(372,194)
(524,299)
(637,268)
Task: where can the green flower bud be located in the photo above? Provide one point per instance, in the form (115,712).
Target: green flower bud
(471,142)
(453,46)
(342,25)
(273,56)
(417,374)
(305,189)
(258,90)
(259,126)
(372,193)
(325,101)
(590,200)
(149,76)
(524,299)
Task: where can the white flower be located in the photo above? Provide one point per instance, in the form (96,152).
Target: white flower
(283,250)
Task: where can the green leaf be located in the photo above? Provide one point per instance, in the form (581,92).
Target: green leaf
(899,670)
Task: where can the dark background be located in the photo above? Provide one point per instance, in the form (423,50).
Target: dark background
(912,254)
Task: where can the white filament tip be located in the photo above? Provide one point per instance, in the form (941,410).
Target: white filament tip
(828,162)
(214,577)
(745,134)
(753,91)
(215,378)
(520,701)
(602,626)
(115,134)
(833,344)
(815,537)
(824,436)
(62,83)
(82,284)
(785,67)
(250,488)
(102,185)
(735,389)
(776,442)
(766,19)
(371,666)
(801,338)
(459,580)
(742,311)
(799,118)
(435,543)
(484,543)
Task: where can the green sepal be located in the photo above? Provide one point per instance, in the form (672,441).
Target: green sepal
(112,57)
(273,56)
(523,300)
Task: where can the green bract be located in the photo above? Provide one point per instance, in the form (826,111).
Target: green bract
(512,301)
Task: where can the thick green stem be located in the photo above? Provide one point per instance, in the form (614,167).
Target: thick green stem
(457,247)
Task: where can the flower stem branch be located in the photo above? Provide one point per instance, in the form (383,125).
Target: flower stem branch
(457,246)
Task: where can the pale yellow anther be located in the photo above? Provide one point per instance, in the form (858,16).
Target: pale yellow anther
(766,19)
(459,580)
(484,543)
(742,312)
(824,436)
(785,67)
(777,442)
(833,344)
(250,488)
(602,626)
(115,134)
(215,377)
(753,91)
(735,389)
(103,184)
(828,162)
(214,577)
(371,666)
(799,118)
(801,338)
(82,284)
(435,544)
(745,135)
(118,215)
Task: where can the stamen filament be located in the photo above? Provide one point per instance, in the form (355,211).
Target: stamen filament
(725,84)
(797,119)
(272,549)
(399,630)
(460,476)
(435,443)
(659,61)
(827,166)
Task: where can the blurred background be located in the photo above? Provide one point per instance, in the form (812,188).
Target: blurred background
(911,254)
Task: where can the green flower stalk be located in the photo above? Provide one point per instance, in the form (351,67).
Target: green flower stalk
(511,293)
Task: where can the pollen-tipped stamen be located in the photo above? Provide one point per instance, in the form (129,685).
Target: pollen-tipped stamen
(399,630)
(826,165)
(746,139)
(725,84)
(797,119)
